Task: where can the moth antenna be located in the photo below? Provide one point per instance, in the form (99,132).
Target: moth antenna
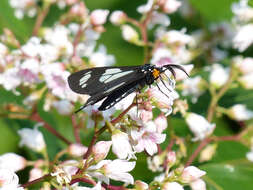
(172,71)
(178,67)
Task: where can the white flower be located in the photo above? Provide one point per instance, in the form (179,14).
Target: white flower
(181,75)
(9,180)
(56,79)
(64,107)
(249,155)
(12,162)
(70,167)
(147,138)
(155,163)
(118,17)
(177,37)
(116,170)
(126,102)
(162,56)
(158,18)
(3,54)
(23,7)
(191,173)
(145,8)
(58,37)
(172,186)
(62,177)
(199,184)
(165,96)
(29,71)
(239,112)
(192,87)
(98,16)
(246,81)
(199,126)
(32,47)
(243,12)
(129,34)
(170,6)
(121,145)
(245,65)
(243,38)
(32,138)
(100,58)
(219,75)
(161,123)
(9,79)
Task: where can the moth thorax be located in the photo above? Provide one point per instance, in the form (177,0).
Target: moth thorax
(156,73)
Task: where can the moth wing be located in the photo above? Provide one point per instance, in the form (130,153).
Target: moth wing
(101,81)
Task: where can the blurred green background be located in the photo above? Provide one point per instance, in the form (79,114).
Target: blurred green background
(229,170)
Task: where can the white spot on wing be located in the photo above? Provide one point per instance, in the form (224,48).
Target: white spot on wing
(118,76)
(84,79)
(84,85)
(112,71)
(104,77)
(113,88)
(112,74)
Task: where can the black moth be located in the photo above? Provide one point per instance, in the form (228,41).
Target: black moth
(115,83)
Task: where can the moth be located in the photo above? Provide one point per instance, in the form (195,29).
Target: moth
(115,83)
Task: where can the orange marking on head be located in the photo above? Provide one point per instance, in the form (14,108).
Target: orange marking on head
(156,73)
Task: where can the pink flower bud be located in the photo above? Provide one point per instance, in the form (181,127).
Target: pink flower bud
(171,158)
(78,9)
(191,173)
(118,17)
(169,6)
(71,2)
(77,150)
(35,173)
(101,149)
(98,17)
(199,184)
(172,186)
(129,33)
(140,185)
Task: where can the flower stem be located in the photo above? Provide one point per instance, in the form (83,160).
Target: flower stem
(36,117)
(38,180)
(216,96)
(40,18)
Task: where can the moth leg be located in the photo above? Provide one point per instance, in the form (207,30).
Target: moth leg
(80,109)
(162,91)
(164,83)
(170,81)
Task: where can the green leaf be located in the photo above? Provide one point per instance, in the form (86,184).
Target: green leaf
(234,175)
(8,140)
(8,97)
(21,28)
(214,10)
